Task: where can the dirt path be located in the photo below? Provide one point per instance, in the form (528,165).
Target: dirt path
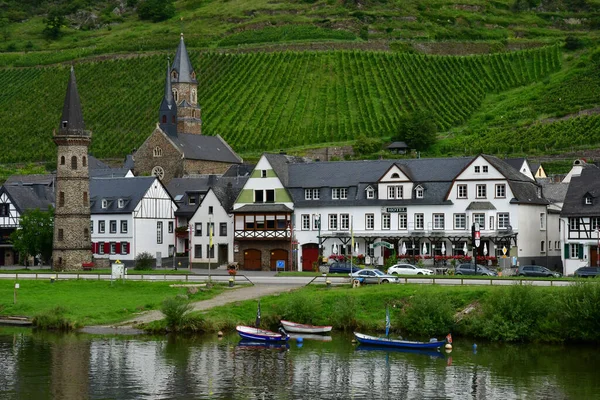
(228,296)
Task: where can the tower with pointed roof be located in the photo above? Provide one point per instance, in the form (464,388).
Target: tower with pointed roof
(185,92)
(71,243)
(167,112)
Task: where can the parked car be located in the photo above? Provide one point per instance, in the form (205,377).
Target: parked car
(342,268)
(537,270)
(408,269)
(587,272)
(373,276)
(469,269)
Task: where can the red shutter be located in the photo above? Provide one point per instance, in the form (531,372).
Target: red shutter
(118,248)
(127,245)
(93,248)
(106,247)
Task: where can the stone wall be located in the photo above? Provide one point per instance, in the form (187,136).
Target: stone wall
(329,153)
(169,160)
(70,260)
(195,167)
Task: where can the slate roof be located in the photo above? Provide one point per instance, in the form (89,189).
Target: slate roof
(30,197)
(480,205)
(280,164)
(525,190)
(42,179)
(168,108)
(71,122)
(203,147)
(397,145)
(182,64)
(588,183)
(130,189)
(109,173)
(240,170)
(554,192)
(94,163)
(129,163)
(516,163)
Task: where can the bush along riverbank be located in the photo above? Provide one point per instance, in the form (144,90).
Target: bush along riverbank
(518,313)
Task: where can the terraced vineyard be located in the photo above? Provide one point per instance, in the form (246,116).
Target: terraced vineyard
(262,101)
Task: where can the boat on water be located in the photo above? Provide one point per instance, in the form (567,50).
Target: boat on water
(263,335)
(387,342)
(295,327)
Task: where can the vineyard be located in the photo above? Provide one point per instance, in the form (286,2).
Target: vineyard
(262,101)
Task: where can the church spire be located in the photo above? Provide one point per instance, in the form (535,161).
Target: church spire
(182,66)
(71,122)
(167,112)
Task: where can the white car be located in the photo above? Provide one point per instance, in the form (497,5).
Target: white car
(408,269)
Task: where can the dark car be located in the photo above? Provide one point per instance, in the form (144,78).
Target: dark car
(469,269)
(342,268)
(587,272)
(537,270)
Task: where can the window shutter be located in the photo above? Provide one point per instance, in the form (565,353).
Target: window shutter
(93,248)
(567,251)
(106,247)
(580,251)
(118,247)
(127,245)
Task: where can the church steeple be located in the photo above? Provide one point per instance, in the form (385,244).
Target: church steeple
(182,66)
(167,113)
(71,122)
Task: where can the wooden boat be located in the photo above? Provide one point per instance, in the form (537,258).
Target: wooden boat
(304,328)
(251,333)
(379,341)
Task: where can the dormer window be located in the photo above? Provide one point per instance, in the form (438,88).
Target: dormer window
(339,193)
(104,203)
(370,193)
(419,192)
(588,200)
(191,200)
(121,203)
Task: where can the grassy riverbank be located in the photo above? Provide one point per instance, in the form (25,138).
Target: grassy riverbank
(75,303)
(519,313)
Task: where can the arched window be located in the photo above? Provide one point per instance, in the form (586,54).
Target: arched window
(74,162)
(174,74)
(62,160)
(164,119)
(61,199)
(157,152)
(395,175)
(193,75)
(176,95)
(85,199)
(194,96)
(84,161)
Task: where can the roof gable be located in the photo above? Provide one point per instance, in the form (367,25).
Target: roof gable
(396,173)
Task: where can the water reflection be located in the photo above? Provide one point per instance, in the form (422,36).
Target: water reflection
(45,366)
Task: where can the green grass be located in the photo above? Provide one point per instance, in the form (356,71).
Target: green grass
(90,302)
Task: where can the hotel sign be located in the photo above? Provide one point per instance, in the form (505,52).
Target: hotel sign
(395,209)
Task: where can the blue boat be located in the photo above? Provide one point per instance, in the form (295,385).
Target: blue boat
(434,353)
(379,341)
(263,335)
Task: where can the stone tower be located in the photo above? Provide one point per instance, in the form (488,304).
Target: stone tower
(185,92)
(71,245)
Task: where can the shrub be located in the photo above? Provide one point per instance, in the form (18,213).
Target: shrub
(156,10)
(428,315)
(54,319)
(175,310)
(580,311)
(345,315)
(301,308)
(144,261)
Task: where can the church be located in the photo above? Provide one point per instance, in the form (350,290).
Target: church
(176,147)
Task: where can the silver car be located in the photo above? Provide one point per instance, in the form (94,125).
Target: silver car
(373,276)
(408,269)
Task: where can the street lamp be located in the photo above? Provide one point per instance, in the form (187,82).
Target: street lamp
(317,219)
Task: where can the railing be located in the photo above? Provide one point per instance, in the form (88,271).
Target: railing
(283,234)
(141,277)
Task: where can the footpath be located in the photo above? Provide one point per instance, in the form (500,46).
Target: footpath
(228,296)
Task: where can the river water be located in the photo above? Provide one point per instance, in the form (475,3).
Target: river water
(79,366)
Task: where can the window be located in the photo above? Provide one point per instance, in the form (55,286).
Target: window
(542,243)
(210,210)
(386,221)
(573,251)
(4,209)
(61,199)
(112,226)
(391,192)
(312,194)
(461,191)
(543,221)
(104,203)
(92,226)
(223,229)
(159,232)
(198,229)
(175,92)
(85,199)
(197,251)
(370,193)
(191,199)
(210,251)
(481,192)
(123,226)
(270,195)
(573,224)
(402,221)
(193,96)
(503,221)
(61,235)
(491,222)
(594,223)
(345,221)
(124,248)
(100,247)
(588,200)
(395,192)
(113,247)
(500,190)
(62,160)
(266,195)
(263,173)
(369,221)
(84,161)
(460,221)
(74,162)
(339,193)
(157,150)
(438,221)
(333,222)
(419,192)
(171,226)
(484,169)
(479,219)
(305,222)
(259,196)
(101,226)
(477,169)
(121,203)
(419,221)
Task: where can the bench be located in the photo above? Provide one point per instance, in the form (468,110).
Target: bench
(87,266)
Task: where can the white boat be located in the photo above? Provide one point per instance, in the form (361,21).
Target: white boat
(304,328)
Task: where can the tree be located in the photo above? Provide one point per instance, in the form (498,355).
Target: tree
(54,22)
(156,10)
(418,130)
(34,235)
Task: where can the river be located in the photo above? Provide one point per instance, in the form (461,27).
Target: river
(79,366)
